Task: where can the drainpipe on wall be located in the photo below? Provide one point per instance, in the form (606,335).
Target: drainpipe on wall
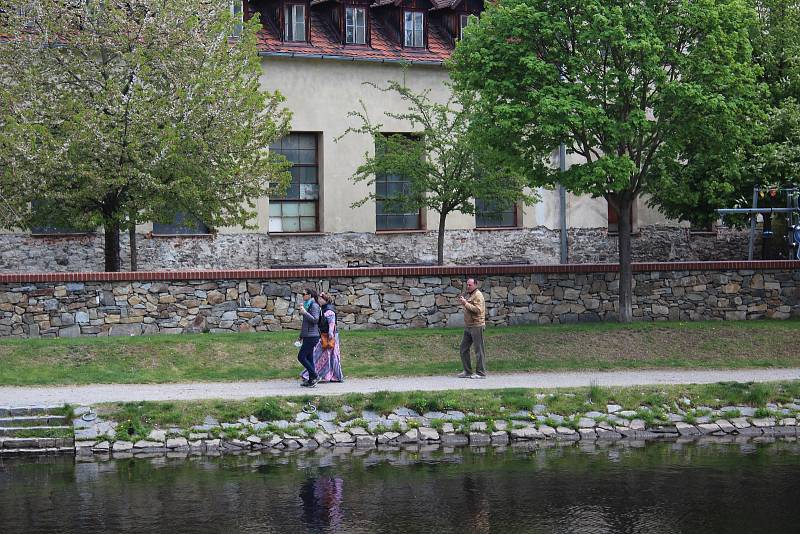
(562,204)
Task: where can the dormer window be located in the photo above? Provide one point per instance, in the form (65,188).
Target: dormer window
(295,22)
(355,25)
(413,29)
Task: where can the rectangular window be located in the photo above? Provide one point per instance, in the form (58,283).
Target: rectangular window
(413,28)
(463,23)
(296,210)
(355,24)
(295,22)
(387,216)
(182,224)
(491,215)
(238,17)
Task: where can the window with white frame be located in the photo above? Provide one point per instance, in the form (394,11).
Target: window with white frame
(238,17)
(463,23)
(296,210)
(355,24)
(295,22)
(414,23)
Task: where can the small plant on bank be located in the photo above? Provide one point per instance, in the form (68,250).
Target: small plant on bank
(759,394)
(732,414)
(690,417)
(570,422)
(437,424)
(363,423)
(551,422)
(271,410)
(396,427)
(597,394)
(412,423)
(381,429)
(131,429)
(648,416)
(762,413)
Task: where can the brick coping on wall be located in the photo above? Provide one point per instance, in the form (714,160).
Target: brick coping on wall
(447,270)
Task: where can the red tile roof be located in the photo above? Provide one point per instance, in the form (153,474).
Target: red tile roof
(325,41)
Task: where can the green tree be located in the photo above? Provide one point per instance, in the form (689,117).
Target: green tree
(637,90)
(123,112)
(444,166)
(776,48)
(770,157)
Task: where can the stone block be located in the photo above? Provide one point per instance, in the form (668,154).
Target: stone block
(70,331)
(130,329)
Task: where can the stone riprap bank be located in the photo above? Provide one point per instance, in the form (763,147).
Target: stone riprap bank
(91,304)
(405,427)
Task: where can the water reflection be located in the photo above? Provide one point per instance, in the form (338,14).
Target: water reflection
(322,499)
(607,488)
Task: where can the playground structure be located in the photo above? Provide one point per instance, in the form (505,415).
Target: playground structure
(792,211)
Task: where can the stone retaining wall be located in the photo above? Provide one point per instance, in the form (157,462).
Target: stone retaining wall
(91,304)
(462,247)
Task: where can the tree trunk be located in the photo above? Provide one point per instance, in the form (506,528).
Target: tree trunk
(132,244)
(112,247)
(440,240)
(624,203)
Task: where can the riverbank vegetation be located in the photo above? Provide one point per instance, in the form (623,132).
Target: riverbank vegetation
(651,404)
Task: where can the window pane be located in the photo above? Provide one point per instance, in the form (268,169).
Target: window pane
(307,175)
(308,224)
(308,209)
(306,156)
(291,224)
(275,224)
(361,17)
(361,35)
(291,209)
(305,141)
(309,192)
(349,16)
(274,209)
(300,23)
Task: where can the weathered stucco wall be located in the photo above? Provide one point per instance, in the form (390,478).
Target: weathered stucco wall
(242,301)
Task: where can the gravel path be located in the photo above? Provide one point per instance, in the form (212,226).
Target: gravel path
(91,394)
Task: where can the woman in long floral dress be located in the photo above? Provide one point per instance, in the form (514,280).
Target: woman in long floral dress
(328,362)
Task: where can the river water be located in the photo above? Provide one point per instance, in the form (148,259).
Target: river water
(630,488)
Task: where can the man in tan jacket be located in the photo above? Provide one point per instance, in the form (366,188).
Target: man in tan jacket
(474,324)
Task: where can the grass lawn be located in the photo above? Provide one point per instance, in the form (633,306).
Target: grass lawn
(228,357)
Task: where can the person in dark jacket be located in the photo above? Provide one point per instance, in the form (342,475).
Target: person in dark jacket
(309,335)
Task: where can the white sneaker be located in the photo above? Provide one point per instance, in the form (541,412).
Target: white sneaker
(478,377)
(462,374)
